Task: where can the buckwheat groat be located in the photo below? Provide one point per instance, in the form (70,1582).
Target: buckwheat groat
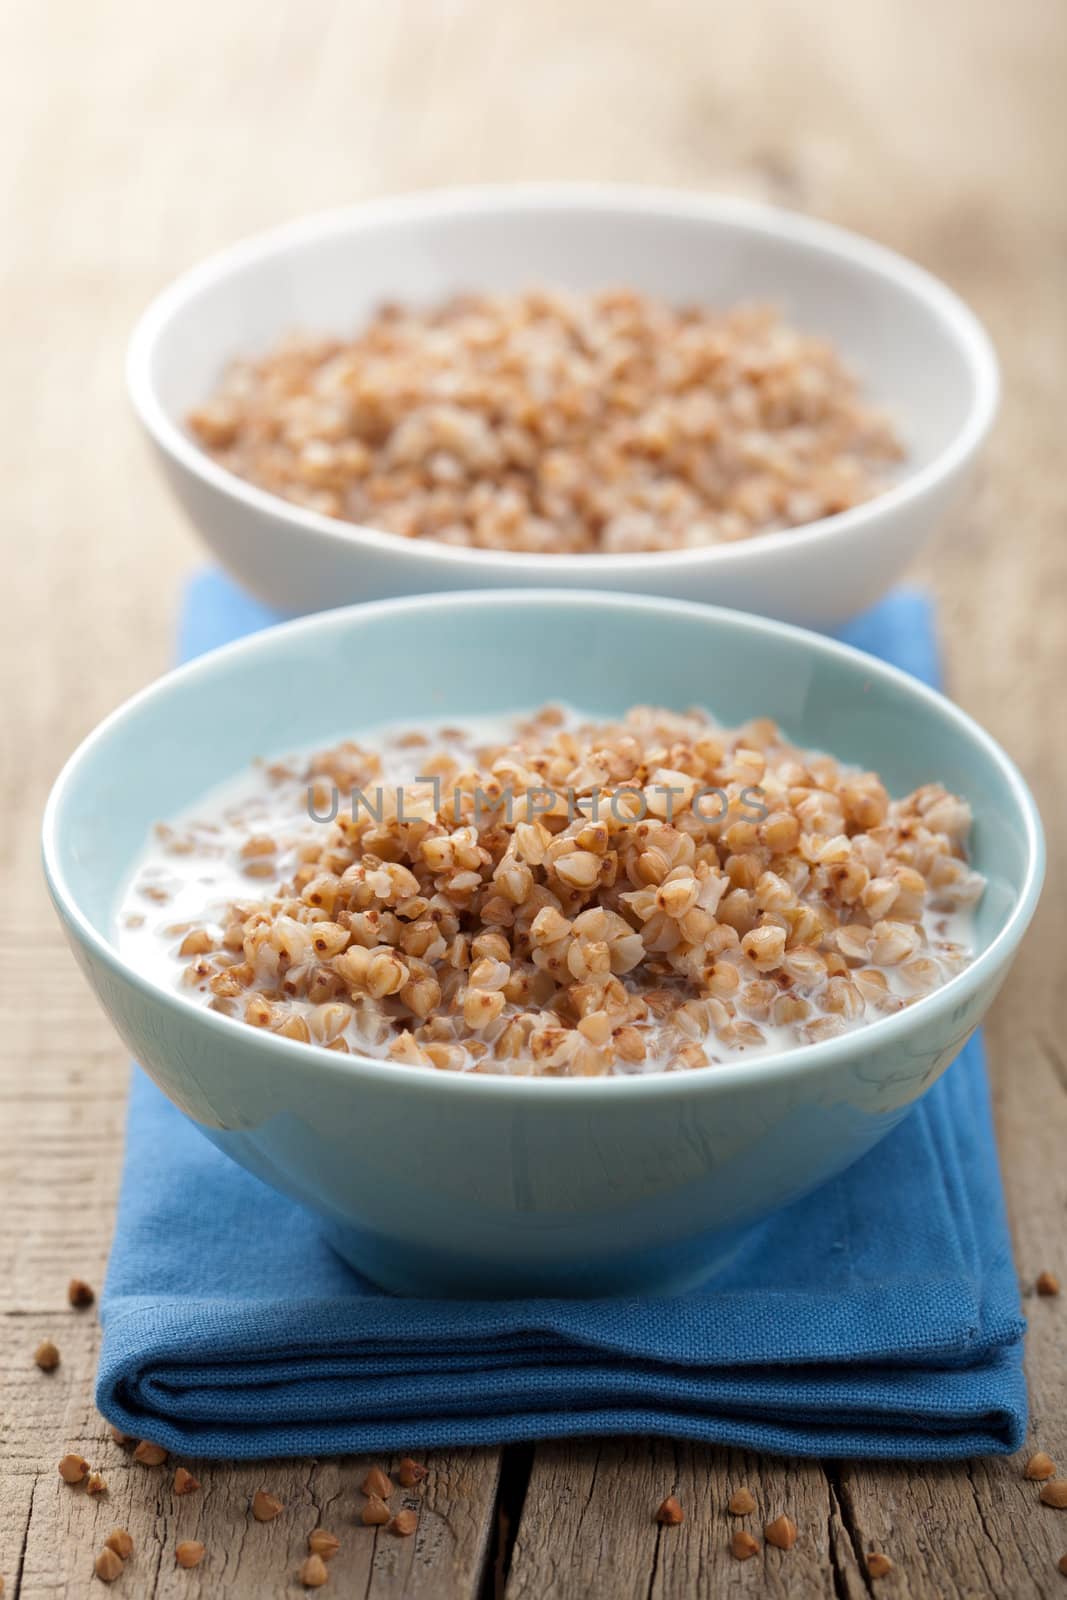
(556,423)
(562,897)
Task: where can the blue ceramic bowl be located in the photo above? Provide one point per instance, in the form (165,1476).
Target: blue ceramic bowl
(438,1183)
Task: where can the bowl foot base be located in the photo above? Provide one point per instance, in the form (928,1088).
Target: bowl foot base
(412,1270)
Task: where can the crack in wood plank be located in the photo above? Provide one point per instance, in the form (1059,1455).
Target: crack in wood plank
(1056,1059)
(25,1537)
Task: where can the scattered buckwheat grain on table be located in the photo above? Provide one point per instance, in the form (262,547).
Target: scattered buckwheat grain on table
(46,1356)
(743,1546)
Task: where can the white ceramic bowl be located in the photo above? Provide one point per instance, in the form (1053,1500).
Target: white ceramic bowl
(919,351)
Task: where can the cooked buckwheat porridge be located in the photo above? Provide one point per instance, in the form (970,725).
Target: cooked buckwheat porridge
(556,423)
(553,895)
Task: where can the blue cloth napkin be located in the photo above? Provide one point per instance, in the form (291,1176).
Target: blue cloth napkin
(879,1317)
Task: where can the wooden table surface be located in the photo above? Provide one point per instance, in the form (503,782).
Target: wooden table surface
(138,139)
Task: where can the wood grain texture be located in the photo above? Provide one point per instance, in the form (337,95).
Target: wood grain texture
(130,150)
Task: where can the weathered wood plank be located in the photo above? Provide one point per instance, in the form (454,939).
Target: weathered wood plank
(99,221)
(1000,572)
(589,1525)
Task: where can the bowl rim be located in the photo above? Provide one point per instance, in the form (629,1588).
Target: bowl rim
(976,351)
(777,1068)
